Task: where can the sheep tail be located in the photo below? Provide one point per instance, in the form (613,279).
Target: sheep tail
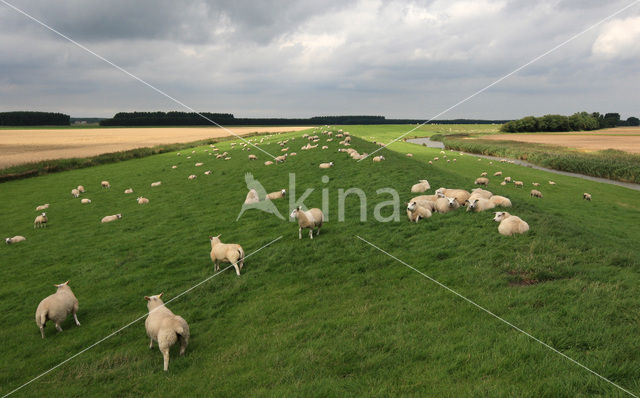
(241,258)
(41,318)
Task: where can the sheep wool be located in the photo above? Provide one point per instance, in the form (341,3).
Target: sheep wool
(42,207)
(421,186)
(277,195)
(156,184)
(482,181)
(56,307)
(142,201)
(446,204)
(105,184)
(326,165)
(500,201)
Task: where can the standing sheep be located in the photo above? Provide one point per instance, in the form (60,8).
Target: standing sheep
(75,193)
(312,218)
(40,221)
(535,194)
(586,196)
(80,189)
(482,181)
(518,184)
(164,327)
(15,239)
(509,224)
(56,307)
(226,253)
(105,184)
(421,186)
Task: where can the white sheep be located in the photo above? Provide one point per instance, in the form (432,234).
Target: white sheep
(40,221)
(277,195)
(42,207)
(80,189)
(15,239)
(85,201)
(518,184)
(105,184)
(409,155)
(480,193)
(552,183)
(416,212)
(164,327)
(535,184)
(378,158)
(311,219)
(253,157)
(326,165)
(75,193)
(586,196)
(535,194)
(252,197)
(422,186)
(192,177)
(226,253)
(207,172)
(446,204)
(175,167)
(268,163)
(199,164)
(111,218)
(128,190)
(460,194)
(482,181)
(56,307)
(507,179)
(479,204)
(292,154)
(156,184)
(324,147)
(142,200)
(500,201)
(483,174)
(281,158)
(227,158)
(497,173)
(509,224)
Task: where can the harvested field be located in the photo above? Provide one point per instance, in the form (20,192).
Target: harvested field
(24,146)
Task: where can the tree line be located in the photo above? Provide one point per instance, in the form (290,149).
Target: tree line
(580,121)
(28,118)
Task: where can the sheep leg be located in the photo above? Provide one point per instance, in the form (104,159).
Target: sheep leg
(165,355)
(150,343)
(42,331)
(311,233)
(183,345)
(235,265)
(216,266)
(58,327)
(75,317)
(318,231)
(300,233)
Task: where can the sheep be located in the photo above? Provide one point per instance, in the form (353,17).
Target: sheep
(500,201)
(114,217)
(164,327)
(75,193)
(42,207)
(142,200)
(199,164)
(421,186)
(483,174)
(311,219)
(207,172)
(535,193)
(415,212)
(446,204)
(156,184)
(268,163)
(253,157)
(325,165)
(15,239)
(80,189)
(497,173)
(252,197)
(436,159)
(325,147)
(460,194)
(378,159)
(56,307)
(226,253)
(40,221)
(105,184)
(430,162)
(518,184)
(409,155)
(479,204)
(292,154)
(430,198)
(284,149)
(85,201)
(509,224)
(503,183)
(227,158)
(128,191)
(281,158)
(480,193)
(192,177)
(586,196)
(507,179)
(482,181)
(552,183)
(277,195)
(175,167)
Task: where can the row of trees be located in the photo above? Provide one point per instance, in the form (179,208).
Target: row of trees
(25,118)
(580,121)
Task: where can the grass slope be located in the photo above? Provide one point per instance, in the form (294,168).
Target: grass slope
(330,316)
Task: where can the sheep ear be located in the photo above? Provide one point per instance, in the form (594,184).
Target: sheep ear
(147,298)
(66,283)
(218,235)
(160,295)
(210,237)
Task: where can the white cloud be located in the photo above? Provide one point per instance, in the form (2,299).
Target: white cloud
(619,39)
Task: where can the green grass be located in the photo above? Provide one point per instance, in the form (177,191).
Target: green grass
(331,316)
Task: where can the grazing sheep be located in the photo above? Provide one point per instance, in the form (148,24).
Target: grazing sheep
(552,183)
(311,219)
(128,190)
(226,253)
(535,193)
(586,196)
(164,327)
(56,307)
(483,174)
(277,195)
(252,197)
(111,218)
(507,179)
(80,189)
(156,184)
(15,239)
(281,158)
(326,165)
(482,181)
(535,184)
(518,184)
(207,172)
(42,207)
(85,201)
(268,163)
(446,204)
(479,204)
(415,212)
(509,224)
(40,221)
(460,194)
(500,201)
(199,164)
(378,159)
(192,177)
(497,173)
(422,186)
(142,201)
(105,184)
(75,193)
(253,157)
(409,155)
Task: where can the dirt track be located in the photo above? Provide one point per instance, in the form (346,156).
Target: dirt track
(24,146)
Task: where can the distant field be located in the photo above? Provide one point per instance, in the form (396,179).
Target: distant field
(20,146)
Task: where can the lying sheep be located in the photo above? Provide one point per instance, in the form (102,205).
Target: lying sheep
(253,157)
(281,158)
(42,207)
(227,158)
(500,201)
(429,198)
(277,195)
(480,193)
(479,204)
(311,219)
(446,204)
(80,189)
(416,212)
(503,183)
(56,307)
(326,165)
(518,184)
(207,172)
(378,158)
(483,174)
(164,327)
(292,154)
(535,193)
(409,155)
(460,194)
(192,177)
(535,184)
(482,181)
(111,218)
(268,163)
(40,221)
(85,201)
(226,253)
(15,239)
(128,190)
(509,224)
(142,200)
(105,184)
(156,184)
(75,193)
(586,196)
(199,164)
(552,183)
(497,173)
(422,186)
(252,197)
(175,167)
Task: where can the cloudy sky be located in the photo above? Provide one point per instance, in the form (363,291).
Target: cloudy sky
(322,57)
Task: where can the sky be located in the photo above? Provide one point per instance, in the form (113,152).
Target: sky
(283,58)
